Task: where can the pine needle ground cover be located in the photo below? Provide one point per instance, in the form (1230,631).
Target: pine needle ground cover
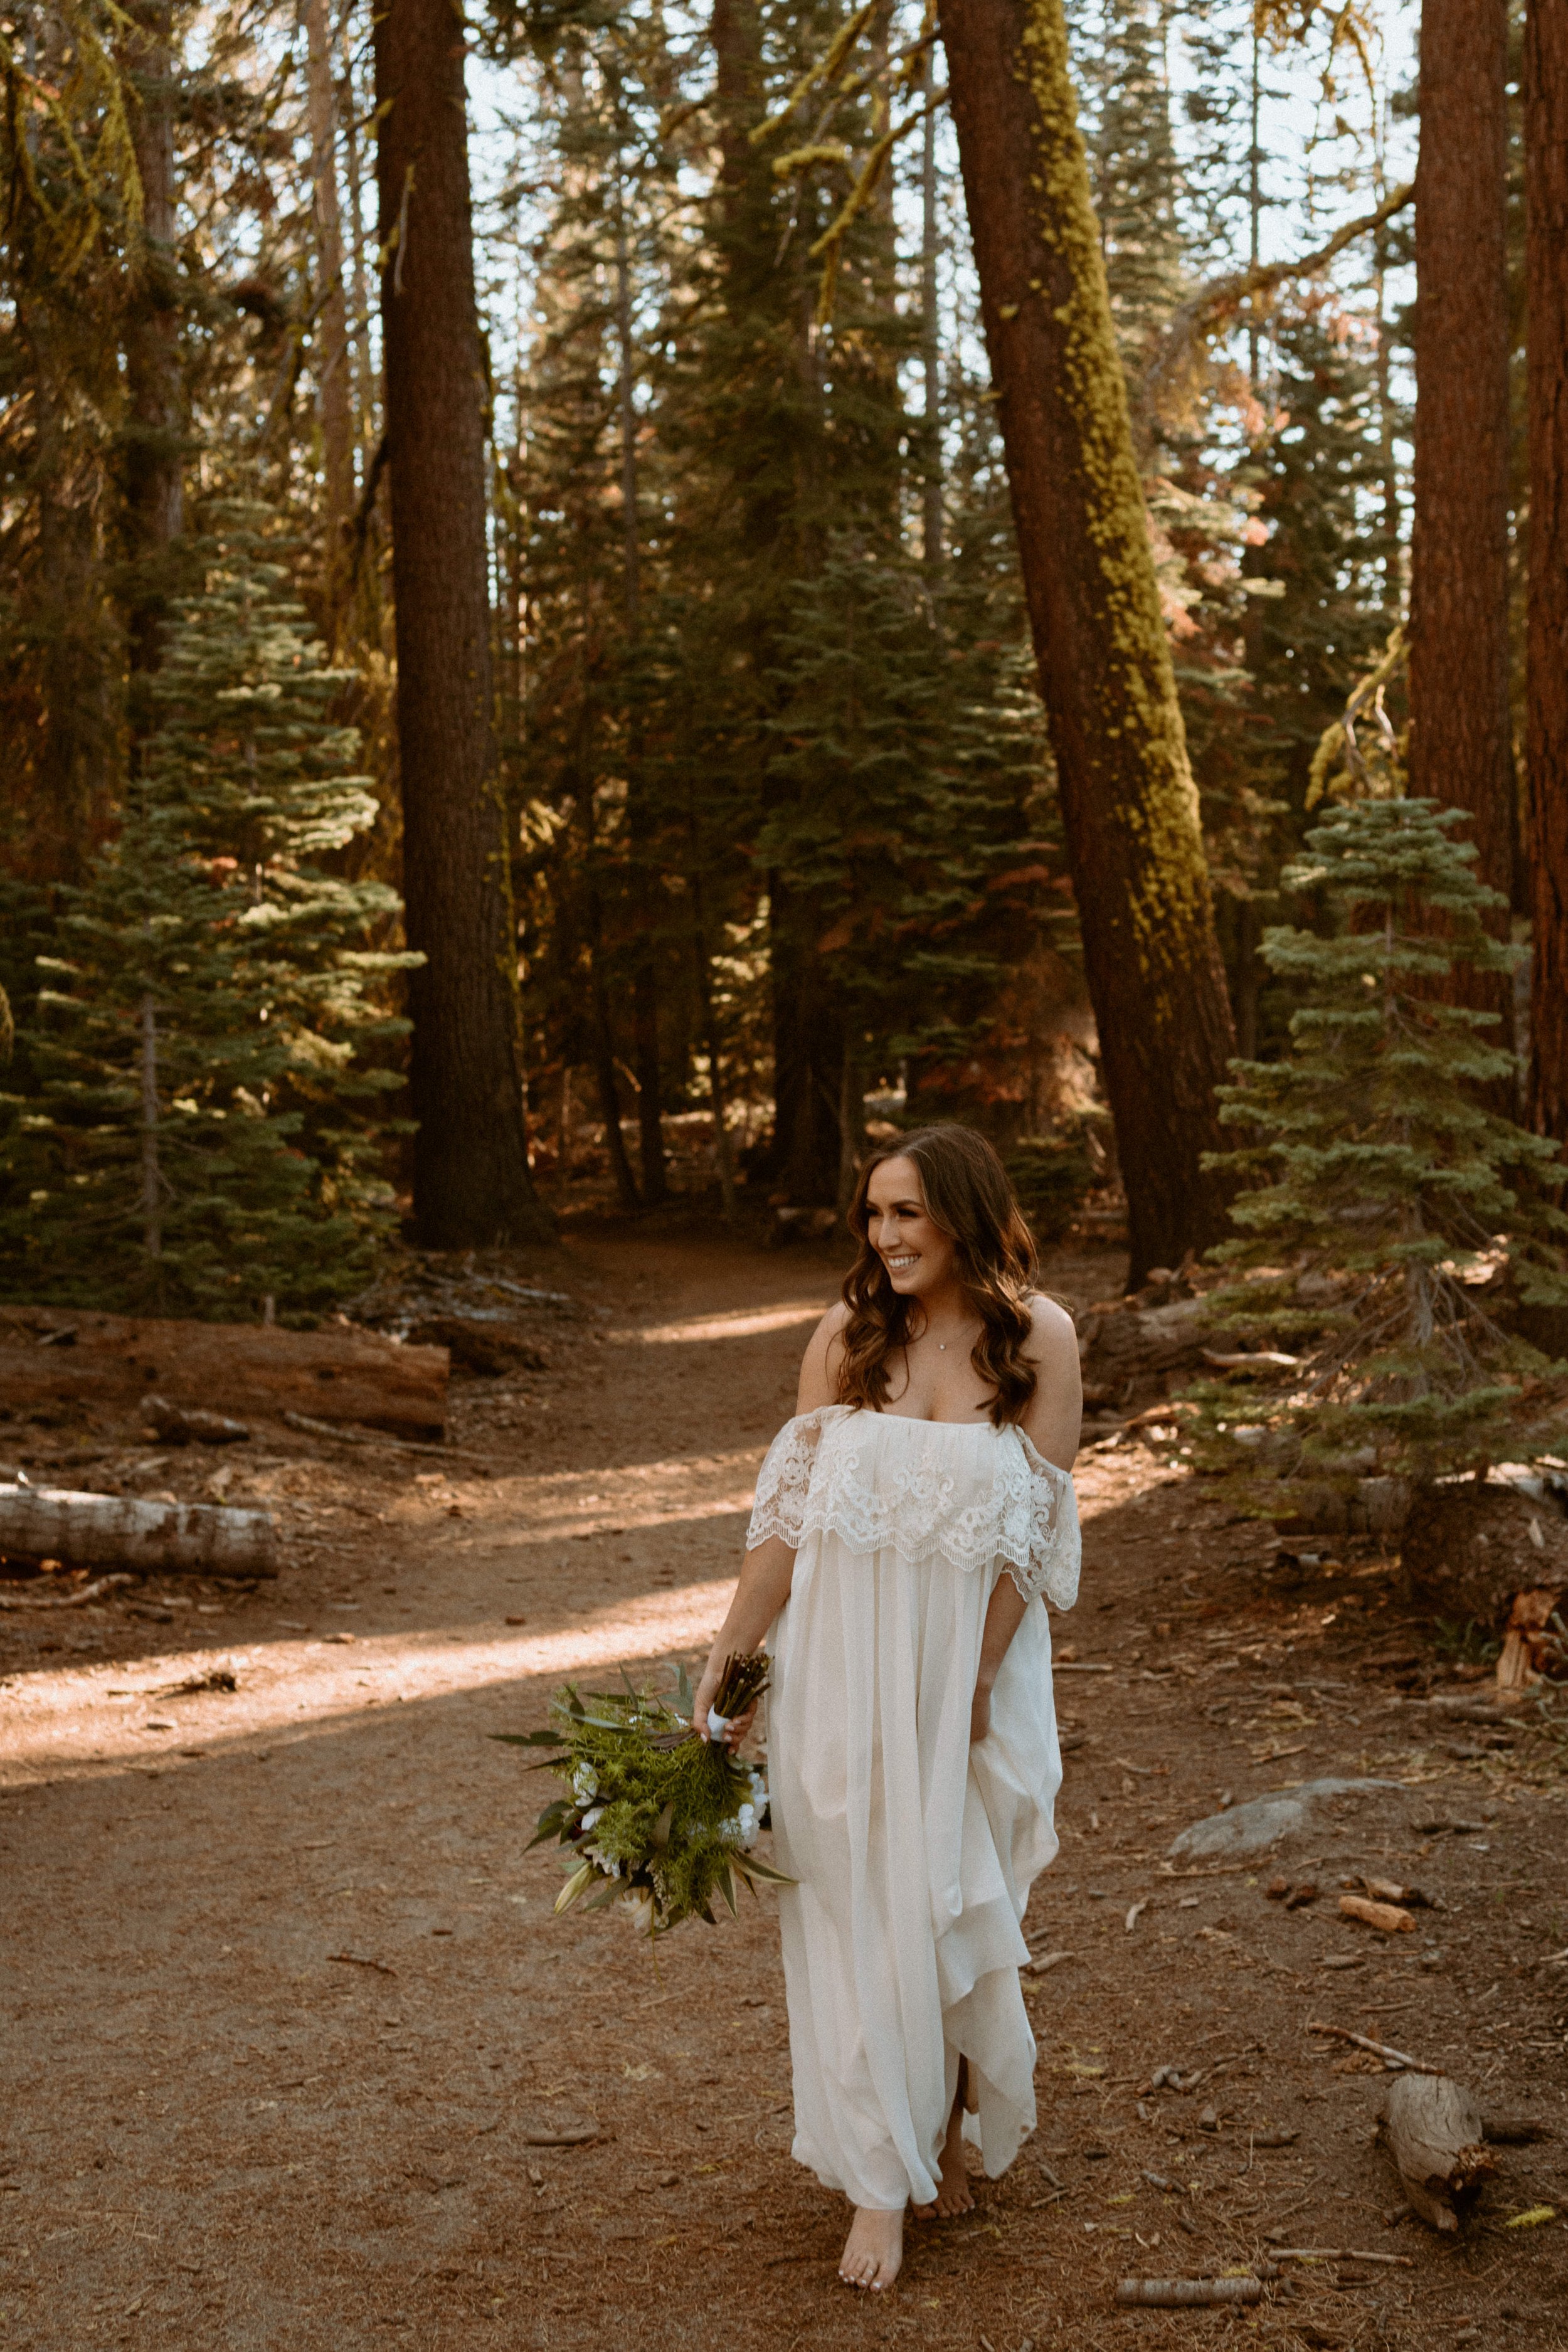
(1396,1224)
(656,1817)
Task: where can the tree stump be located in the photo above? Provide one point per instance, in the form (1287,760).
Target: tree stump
(1433,2129)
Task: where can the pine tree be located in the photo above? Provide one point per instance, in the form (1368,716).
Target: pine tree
(1396,1219)
(904,757)
(204,1136)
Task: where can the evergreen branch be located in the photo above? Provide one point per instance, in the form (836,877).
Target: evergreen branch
(1215,302)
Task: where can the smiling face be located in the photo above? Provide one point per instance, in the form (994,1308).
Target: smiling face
(918,1256)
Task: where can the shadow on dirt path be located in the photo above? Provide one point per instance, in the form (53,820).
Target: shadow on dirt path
(285,1999)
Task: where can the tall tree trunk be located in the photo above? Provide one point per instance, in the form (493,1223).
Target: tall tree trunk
(1546,725)
(471,1182)
(931,334)
(155,482)
(330,338)
(605,1053)
(1130,808)
(702,966)
(1460,738)
(76,634)
(644,969)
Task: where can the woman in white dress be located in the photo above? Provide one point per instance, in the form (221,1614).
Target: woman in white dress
(908,1522)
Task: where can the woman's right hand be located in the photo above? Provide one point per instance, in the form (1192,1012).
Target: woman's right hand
(707,1692)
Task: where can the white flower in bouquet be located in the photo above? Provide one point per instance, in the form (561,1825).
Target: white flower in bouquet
(639,1909)
(594,1813)
(584,1784)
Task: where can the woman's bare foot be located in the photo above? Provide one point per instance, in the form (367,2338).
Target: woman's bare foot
(953,2193)
(874,2249)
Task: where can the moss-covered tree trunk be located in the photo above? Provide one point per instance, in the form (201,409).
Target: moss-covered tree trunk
(1461,748)
(471,1183)
(1546,725)
(1130,808)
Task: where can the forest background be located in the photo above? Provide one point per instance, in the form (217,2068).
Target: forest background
(638,673)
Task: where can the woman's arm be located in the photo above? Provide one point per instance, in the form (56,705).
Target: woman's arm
(1055,1419)
(767,1573)
(1004,1615)
(1052,1424)
(764,1588)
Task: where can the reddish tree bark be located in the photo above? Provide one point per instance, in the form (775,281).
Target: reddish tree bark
(1461,748)
(471,1183)
(154,473)
(1546,725)
(1128,806)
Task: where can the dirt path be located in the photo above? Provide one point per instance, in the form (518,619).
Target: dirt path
(284,2000)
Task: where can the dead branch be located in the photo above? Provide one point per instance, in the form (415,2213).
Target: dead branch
(1178,2294)
(1379,2049)
(1216,300)
(64,1599)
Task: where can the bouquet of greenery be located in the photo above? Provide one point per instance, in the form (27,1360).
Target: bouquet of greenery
(656,1816)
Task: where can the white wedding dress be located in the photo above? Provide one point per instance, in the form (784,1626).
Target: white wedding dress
(913,1851)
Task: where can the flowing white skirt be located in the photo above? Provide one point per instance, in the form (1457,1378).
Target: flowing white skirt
(914,1853)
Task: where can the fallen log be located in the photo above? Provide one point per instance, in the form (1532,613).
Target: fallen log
(118,1532)
(1434,2131)
(1179,2294)
(482,1344)
(1121,1344)
(94,1364)
(1470,1550)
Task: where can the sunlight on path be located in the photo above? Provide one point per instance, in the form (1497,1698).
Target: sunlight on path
(542,1509)
(101,1719)
(740,1325)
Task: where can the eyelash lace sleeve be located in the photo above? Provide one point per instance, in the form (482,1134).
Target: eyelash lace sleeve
(968,1494)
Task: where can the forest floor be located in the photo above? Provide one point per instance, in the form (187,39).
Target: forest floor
(284,1998)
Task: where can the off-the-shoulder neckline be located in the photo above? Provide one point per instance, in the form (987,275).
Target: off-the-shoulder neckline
(915,1421)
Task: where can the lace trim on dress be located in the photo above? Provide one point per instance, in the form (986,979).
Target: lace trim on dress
(1017,1509)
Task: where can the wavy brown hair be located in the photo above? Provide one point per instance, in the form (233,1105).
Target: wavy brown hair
(968,1196)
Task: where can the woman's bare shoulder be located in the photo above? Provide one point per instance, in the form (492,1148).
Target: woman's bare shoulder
(1054,1417)
(1053,1335)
